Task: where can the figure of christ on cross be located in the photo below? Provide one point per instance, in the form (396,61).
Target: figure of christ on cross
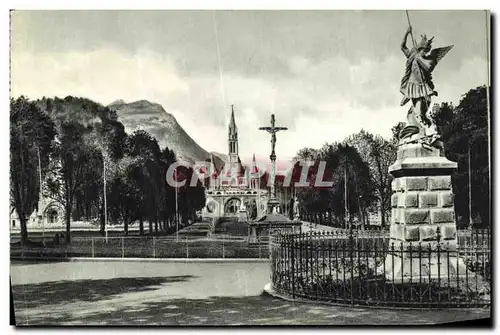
(273,130)
(273,203)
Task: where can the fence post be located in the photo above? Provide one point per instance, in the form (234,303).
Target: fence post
(269,245)
(92,238)
(154,247)
(292,256)
(259,250)
(123,247)
(187,248)
(223,250)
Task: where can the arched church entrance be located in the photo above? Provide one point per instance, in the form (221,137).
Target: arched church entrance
(232,206)
(52,215)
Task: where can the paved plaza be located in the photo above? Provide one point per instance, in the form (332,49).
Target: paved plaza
(190,293)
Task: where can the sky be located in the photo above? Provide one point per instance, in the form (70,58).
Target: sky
(324,74)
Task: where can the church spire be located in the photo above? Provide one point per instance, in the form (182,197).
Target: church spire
(254,176)
(233,130)
(233,138)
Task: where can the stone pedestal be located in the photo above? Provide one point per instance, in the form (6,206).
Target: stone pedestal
(252,234)
(423,217)
(242,215)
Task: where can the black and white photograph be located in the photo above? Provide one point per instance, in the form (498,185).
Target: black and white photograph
(244,167)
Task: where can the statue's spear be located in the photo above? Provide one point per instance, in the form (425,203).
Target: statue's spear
(411,33)
(415,45)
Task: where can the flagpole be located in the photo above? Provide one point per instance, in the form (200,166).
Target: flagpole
(258,204)
(40,195)
(345,198)
(470,189)
(105,199)
(176,208)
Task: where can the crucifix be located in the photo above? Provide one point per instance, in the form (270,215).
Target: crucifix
(273,202)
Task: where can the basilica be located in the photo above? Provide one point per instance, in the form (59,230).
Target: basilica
(235,188)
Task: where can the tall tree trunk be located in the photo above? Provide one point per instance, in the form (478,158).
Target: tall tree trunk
(24,229)
(382,210)
(141,226)
(361,218)
(150,227)
(102,229)
(68,224)
(156,226)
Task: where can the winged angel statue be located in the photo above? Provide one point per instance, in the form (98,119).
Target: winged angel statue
(417,87)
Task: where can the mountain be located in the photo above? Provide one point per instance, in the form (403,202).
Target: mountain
(152,118)
(219,155)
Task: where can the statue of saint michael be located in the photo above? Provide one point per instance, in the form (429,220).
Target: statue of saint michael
(417,87)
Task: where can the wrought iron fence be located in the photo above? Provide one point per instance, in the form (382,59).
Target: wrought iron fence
(359,268)
(331,220)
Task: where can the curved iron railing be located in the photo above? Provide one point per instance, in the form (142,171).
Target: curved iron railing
(354,268)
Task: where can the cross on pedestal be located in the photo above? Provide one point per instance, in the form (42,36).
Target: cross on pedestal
(273,202)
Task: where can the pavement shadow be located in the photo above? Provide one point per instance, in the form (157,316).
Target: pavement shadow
(67,291)
(253,310)
(21,262)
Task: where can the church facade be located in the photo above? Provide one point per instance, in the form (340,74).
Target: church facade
(235,188)
(48,214)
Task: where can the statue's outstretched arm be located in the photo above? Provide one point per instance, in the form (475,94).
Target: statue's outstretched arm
(403,43)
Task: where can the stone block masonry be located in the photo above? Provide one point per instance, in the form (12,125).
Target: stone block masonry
(415,183)
(439,183)
(445,199)
(423,215)
(442,215)
(422,205)
(428,199)
(422,201)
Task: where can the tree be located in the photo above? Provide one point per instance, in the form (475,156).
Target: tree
(71,169)
(347,163)
(341,160)
(146,173)
(466,129)
(31,135)
(379,154)
(89,134)
(443,115)
(167,158)
(124,197)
